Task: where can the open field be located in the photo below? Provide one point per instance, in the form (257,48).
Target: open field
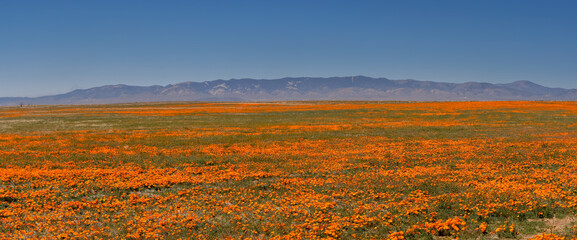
(294,170)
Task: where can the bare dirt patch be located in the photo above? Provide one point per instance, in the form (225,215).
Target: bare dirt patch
(554,226)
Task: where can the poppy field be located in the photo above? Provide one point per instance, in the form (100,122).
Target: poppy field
(290,170)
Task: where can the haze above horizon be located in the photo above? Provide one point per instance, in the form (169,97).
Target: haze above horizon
(52,47)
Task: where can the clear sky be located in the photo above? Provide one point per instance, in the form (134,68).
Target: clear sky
(50,47)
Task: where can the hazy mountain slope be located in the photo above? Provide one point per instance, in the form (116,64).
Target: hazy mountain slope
(304,88)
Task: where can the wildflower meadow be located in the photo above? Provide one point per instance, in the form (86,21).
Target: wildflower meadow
(290,170)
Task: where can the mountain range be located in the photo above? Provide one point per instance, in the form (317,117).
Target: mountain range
(305,88)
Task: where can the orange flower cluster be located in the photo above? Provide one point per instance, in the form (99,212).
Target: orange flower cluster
(482,228)
(304,170)
(548,237)
(446,228)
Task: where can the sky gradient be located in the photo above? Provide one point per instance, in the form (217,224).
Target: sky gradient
(51,47)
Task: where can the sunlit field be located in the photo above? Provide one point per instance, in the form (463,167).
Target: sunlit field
(294,170)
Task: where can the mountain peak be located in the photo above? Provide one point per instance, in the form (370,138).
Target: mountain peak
(525,83)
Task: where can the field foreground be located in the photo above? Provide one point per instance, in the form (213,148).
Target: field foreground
(295,170)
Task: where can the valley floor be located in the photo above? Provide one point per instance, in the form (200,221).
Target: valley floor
(290,170)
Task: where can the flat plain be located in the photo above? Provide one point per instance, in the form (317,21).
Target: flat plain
(290,170)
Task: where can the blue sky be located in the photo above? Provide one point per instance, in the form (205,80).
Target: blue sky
(50,47)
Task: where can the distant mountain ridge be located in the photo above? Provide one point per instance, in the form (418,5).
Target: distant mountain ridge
(305,88)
